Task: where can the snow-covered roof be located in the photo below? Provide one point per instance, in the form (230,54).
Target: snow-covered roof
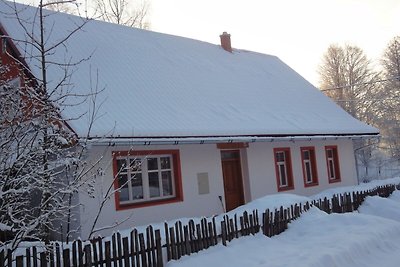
(159,85)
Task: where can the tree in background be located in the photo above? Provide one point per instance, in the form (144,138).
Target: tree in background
(347,77)
(123,12)
(390,122)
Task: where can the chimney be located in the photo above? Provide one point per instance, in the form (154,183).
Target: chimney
(226,41)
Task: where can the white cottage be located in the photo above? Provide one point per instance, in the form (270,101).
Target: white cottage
(187,128)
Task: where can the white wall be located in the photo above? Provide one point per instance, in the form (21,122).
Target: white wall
(262,168)
(258,171)
(194,159)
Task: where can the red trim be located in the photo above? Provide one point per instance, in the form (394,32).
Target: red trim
(232,145)
(288,161)
(336,163)
(177,178)
(313,166)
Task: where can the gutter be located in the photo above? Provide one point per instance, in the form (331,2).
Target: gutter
(123,141)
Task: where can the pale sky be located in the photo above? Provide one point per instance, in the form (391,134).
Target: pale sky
(297,31)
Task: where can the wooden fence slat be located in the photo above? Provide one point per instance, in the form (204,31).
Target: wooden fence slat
(172,243)
(186,239)
(125,249)
(133,248)
(182,239)
(34,257)
(80,253)
(58,255)
(43,259)
(114,249)
(119,249)
(137,248)
(160,261)
(167,242)
(101,252)
(142,250)
(199,237)
(19,260)
(88,255)
(177,241)
(223,232)
(9,258)
(107,253)
(66,258)
(193,236)
(28,258)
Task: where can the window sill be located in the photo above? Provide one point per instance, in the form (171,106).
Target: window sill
(311,184)
(285,188)
(126,206)
(331,181)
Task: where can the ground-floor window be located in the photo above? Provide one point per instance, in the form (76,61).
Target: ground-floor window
(309,165)
(143,178)
(332,163)
(283,168)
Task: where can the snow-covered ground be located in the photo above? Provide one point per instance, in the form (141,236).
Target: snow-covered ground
(369,237)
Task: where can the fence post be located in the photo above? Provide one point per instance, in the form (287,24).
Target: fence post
(160,262)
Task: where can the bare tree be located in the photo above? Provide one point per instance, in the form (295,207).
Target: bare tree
(42,160)
(123,12)
(390,123)
(347,77)
(70,7)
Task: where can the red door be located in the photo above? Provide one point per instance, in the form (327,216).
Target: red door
(233,182)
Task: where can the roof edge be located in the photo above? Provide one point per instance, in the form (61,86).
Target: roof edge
(177,140)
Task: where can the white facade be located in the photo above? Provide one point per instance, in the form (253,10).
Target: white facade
(258,171)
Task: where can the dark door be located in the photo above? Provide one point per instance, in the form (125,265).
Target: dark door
(233,184)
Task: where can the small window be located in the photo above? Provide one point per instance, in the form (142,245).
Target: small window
(283,168)
(332,163)
(10,100)
(309,165)
(146,178)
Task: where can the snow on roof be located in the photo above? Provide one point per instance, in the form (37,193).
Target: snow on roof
(159,85)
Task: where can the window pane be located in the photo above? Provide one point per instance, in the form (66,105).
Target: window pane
(121,165)
(137,186)
(123,187)
(308,172)
(331,170)
(282,170)
(306,154)
(329,153)
(154,185)
(152,164)
(167,183)
(135,165)
(280,156)
(230,154)
(165,163)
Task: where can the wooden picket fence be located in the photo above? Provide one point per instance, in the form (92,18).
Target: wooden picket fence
(149,249)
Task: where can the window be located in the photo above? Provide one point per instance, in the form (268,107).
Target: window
(332,163)
(144,178)
(10,100)
(283,168)
(309,165)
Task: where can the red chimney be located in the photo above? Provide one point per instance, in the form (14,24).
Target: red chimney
(226,41)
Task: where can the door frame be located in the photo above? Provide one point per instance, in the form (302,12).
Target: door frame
(238,160)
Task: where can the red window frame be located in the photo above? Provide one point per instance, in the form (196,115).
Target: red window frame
(312,165)
(287,163)
(177,178)
(332,164)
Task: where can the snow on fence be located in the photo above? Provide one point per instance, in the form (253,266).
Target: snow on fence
(146,249)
